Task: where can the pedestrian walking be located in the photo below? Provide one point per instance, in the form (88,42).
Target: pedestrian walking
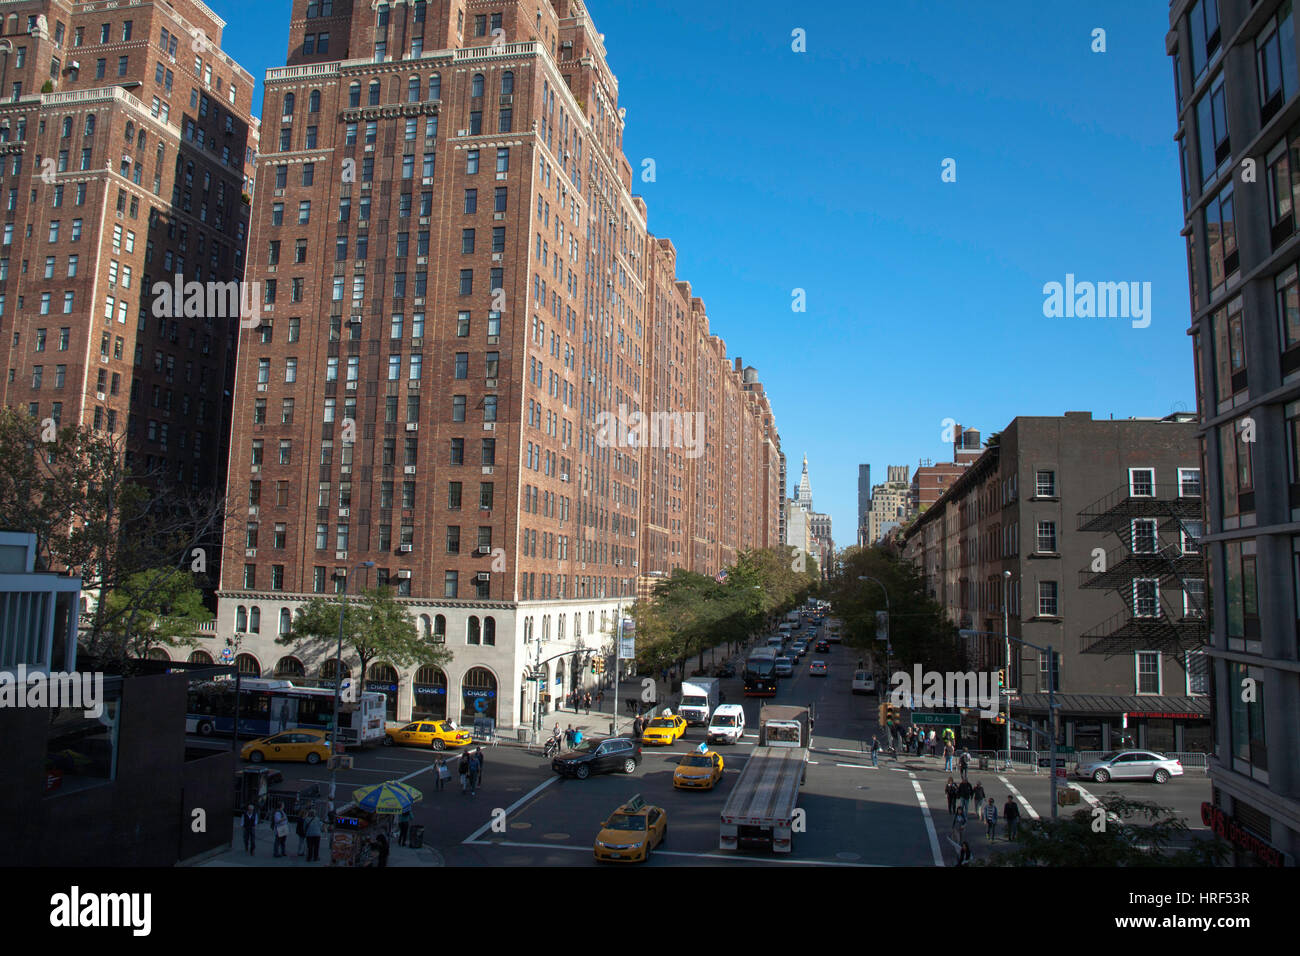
(442,772)
(462,769)
(250,830)
(875,751)
(979,794)
(586,703)
(301,830)
(991,819)
(474,767)
(931,742)
(600,700)
(959,823)
(314,829)
(280,828)
(947,756)
(964,793)
(638,725)
(403,826)
(950,788)
(964,763)
(1011,813)
(478,773)
(568,738)
(577,737)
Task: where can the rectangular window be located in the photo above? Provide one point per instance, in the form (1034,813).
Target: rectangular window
(1047,537)
(1047,595)
(1147,667)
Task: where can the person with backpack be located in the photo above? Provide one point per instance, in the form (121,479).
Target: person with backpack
(950,788)
(314,828)
(964,792)
(280,828)
(990,813)
(1011,813)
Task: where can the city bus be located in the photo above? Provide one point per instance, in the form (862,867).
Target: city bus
(760,672)
(270,706)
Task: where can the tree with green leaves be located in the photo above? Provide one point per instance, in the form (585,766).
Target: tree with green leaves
(919,629)
(1119,832)
(159,607)
(376,627)
(119,528)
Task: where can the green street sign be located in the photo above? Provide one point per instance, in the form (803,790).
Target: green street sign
(1064,750)
(952,719)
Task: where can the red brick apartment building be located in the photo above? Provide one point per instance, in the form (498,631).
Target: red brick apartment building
(459,294)
(126,145)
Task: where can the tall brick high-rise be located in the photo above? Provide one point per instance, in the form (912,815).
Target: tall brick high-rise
(460,295)
(126,141)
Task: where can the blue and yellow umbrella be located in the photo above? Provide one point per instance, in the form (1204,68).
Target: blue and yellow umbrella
(392,796)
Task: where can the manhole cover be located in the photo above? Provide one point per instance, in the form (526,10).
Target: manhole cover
(520,826)
(845,855)
(555,836)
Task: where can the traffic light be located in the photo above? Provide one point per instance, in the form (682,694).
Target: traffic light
(593,665)
(892,715)
(881,715)
(1002,679)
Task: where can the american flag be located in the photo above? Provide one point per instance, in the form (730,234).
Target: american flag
(721,576)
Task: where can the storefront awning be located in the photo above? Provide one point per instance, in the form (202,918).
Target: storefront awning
(1104,705)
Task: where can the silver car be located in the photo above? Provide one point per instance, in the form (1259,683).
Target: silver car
(1131,765)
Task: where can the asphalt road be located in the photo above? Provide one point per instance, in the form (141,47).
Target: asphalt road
(856,814)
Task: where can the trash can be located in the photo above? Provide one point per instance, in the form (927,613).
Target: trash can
(984,763)
(525,735)
(416,836)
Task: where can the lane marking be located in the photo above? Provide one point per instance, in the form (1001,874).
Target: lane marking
(654,853)
(857,766)
(929,822)
(473,837)
(1092,801)
(1016,793)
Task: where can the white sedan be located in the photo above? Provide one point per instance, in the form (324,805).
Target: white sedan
(1130,765)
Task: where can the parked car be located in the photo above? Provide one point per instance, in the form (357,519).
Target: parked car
(309,744)
(599,755)
(1130,765)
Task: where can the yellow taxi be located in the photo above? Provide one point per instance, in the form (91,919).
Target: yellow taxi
(631,832)
(698,771)
(434,734)
(663,730)
(300,743)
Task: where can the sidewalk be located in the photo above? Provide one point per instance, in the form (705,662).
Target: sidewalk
(235,856)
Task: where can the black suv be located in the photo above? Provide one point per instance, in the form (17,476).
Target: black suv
(599,755)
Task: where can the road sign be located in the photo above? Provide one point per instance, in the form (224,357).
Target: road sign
(1060,772)
(1046,762)
(953,719)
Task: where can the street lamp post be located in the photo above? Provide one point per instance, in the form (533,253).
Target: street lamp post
(1006,631)
(338,688)
(888,638)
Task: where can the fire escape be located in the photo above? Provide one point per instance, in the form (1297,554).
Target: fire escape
(1152,569)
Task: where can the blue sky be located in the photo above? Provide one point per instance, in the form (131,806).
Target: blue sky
(820,170)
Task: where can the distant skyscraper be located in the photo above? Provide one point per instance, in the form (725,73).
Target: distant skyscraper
(864,497)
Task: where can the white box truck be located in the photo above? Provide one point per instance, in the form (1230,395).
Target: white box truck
(760,810)
(700,695)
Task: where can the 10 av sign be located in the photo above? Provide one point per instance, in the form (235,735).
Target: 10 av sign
(949,719)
